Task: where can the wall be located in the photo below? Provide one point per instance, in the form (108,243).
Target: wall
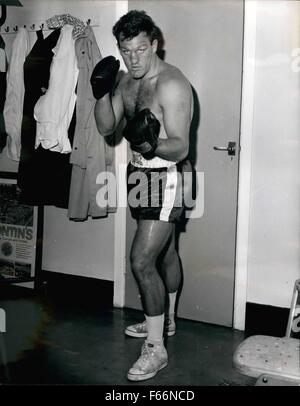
(74,248)
(274,234)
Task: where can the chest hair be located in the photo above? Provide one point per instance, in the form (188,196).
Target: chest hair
(138,96)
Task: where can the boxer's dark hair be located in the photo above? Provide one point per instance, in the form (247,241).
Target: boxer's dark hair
(132,23)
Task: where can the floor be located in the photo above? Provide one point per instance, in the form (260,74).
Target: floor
(56,338)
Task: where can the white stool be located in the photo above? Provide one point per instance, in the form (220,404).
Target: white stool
(272,359)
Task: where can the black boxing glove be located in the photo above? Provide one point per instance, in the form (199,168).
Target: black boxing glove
(104,76)
(142,132)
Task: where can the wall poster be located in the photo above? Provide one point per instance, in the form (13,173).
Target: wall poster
(18,231)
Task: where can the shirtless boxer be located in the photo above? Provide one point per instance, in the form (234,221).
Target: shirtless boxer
(156,100)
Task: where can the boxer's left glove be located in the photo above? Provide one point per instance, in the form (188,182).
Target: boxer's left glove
(104,76)
(142,132)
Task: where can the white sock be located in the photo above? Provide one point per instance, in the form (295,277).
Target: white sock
(171,309)
(155,327)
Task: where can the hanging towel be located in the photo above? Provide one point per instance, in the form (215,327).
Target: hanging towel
(59,21)
(54,110)
(13,107)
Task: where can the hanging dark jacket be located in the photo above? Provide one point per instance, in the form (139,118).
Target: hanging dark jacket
(3,134)
(43,176)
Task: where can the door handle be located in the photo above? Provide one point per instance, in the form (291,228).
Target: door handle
(231,149)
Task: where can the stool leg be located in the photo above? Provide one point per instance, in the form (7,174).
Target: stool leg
(295,301)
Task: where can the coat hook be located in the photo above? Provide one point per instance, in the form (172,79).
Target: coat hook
(42,26)
(6,29)
(88,21)
(32,27)
(16,28)
(24,25)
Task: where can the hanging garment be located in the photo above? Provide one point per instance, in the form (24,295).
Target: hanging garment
(91,154)
(13,106)
(54,110)
(3,58)
(43,176)
(3,70)
(59,21)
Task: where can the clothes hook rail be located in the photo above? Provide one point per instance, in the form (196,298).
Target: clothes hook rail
(35,27)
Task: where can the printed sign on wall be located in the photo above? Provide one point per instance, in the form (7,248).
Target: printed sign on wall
(17,233)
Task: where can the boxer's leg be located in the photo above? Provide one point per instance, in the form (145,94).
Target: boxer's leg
(171,275)
(150,239)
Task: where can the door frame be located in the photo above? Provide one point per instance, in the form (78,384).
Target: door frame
(244,180)
(121,8)
(245,166)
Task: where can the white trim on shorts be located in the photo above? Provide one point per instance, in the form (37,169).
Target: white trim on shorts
(140,162)
(169,193)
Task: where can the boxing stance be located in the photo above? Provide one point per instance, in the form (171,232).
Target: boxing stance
(156,100)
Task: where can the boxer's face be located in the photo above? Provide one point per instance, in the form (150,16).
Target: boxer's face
(137,54)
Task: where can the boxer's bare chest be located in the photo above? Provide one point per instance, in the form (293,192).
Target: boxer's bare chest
(139,94)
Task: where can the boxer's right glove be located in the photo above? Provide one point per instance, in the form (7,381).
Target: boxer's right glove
(104,76)
(142,133)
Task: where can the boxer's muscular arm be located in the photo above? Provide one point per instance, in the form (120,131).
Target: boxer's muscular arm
(174,97)
(109,111)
